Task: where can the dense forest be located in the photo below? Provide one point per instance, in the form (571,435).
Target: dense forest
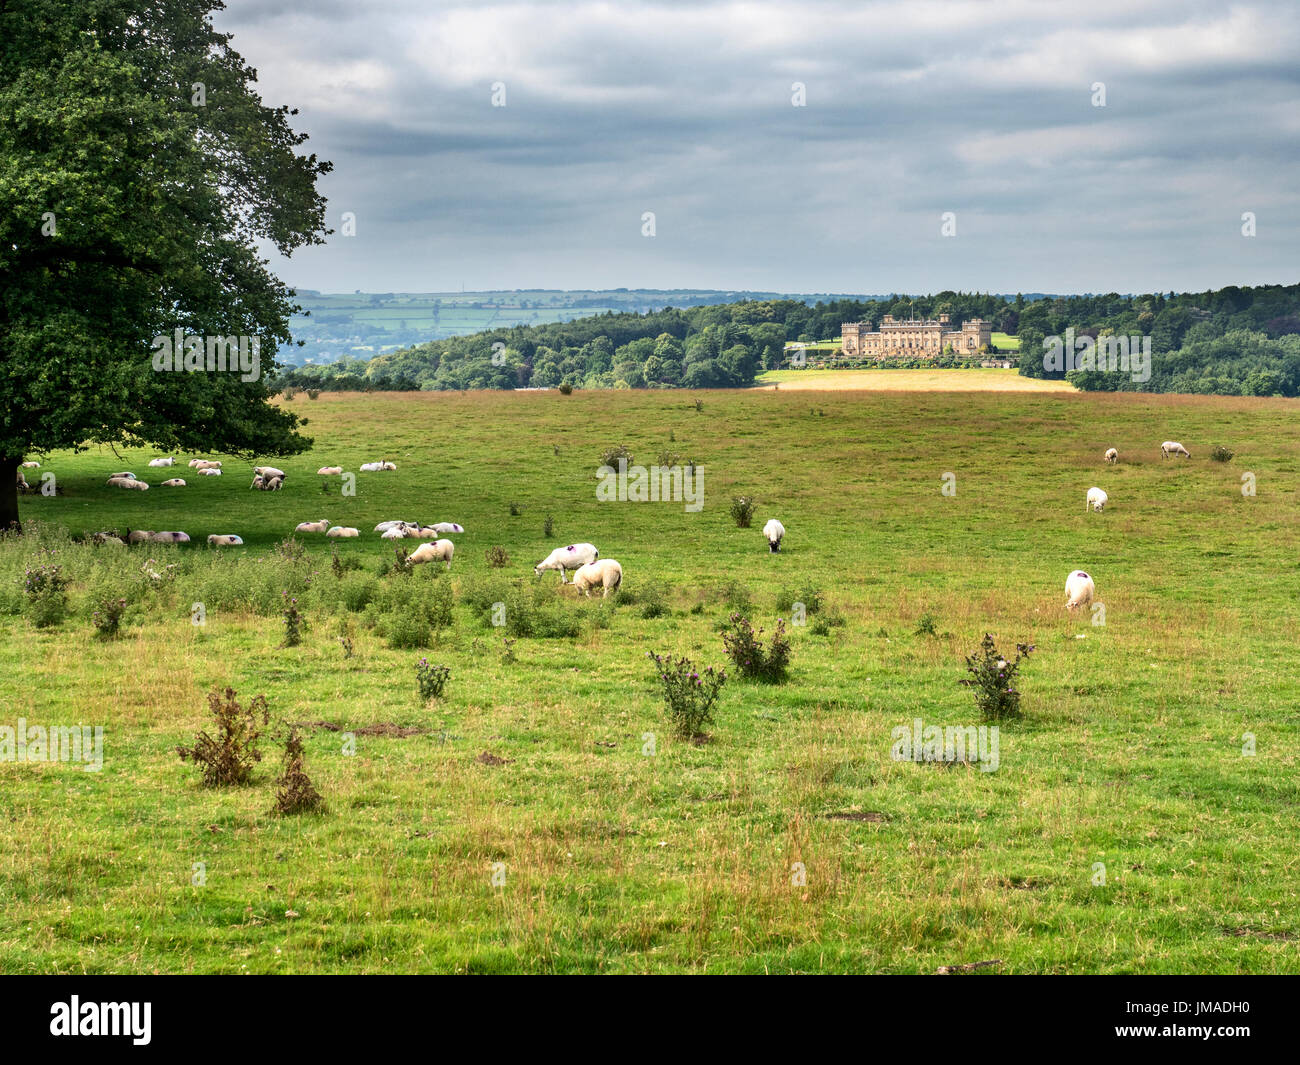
(1234,341)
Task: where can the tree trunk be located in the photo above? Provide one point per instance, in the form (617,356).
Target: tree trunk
(9,521)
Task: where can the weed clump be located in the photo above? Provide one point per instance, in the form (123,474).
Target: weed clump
(229,757)
(744,646)
(295,793)
(688,694)
(993,678)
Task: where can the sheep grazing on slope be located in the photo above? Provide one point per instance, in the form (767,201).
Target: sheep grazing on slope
(566,558)
(344,532)
(175,482)
(447,527)
(605,573)
(774,531)
(227,540)
(168,461)
(1112,456)
(209,471)
(1173,447)
(1096,499)
(438,551)
(1079,590)
(329,471)
(312,526)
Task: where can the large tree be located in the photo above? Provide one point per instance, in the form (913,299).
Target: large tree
(138,169)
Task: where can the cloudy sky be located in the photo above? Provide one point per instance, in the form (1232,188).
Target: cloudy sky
(982,108)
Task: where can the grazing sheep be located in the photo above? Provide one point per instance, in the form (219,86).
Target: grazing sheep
(1173,447)
(128,482)
(140,536)
(168,461)
(605,572)
(1096,499)
(438,551)
(125,474)
(1079,589)
(447,527)
(169,538)
(209,471)
(31,466)
(343,531)
(329,471)
(1112,456)
(228,540)
(175,482)
(573,556)
(774,531)
(313,526)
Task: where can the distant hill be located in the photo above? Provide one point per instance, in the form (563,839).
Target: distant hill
(365,324)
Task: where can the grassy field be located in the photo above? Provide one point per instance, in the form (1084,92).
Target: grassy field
(890,380)
(607,858)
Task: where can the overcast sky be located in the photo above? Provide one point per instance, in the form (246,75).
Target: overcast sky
(913,109)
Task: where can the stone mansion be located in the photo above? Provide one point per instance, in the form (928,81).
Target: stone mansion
(914,338)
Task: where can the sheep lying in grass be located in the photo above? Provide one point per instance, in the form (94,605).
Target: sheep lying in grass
(605,573)
(139,536)
(169,538)
(168,461)
(447,527)
(226,540)
(384,526)
(205,464)
(107,538)
(774,531)
(329,471)
(1096,499)
(128,482)
(376,467)
(343,532)
(1079,590)
(125,475)
(209,471)
(400,531)
(1173,447)
(312,526)
(438,551)
(31,466)
(423,532)
(175,482)
(1112,456)
(566,558)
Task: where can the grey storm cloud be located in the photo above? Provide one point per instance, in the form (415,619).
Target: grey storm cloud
(913,109)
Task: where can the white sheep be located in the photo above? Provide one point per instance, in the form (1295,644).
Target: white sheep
(139,536)
(447,527)
(1173,447)
(312,526)
(206,464)
(774,531)
(1096,499)
(124,474)
(175,482)
(1079,590)
(209,471)
(438,551)
(31,466)
(226,540)
(1112,456)
(267,472)
(423,532)
(376,467)
(566,558)
(169,538)
(329,471)
(605,572)
(128,482)
(343,531)
(168,461)
(400,531)
(384,526)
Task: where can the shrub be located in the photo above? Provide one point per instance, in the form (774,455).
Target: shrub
(566,389)
(405,632)
(611,456)
(993,677)
(293,623)
(290,550)
(825,622)
(357,590)
(925,626)
(516,509)
(548,527)
(295,793)
(45,587)
(736,596)
(810,597)
(1221,454)
(107,617)
(431,679)
(538,613)
(742,511)
(313,393)
(346,633)
(496,557)
(745,648)
(653,601)
(688,694)
(230,757)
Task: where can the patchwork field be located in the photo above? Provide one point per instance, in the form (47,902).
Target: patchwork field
(527,827)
